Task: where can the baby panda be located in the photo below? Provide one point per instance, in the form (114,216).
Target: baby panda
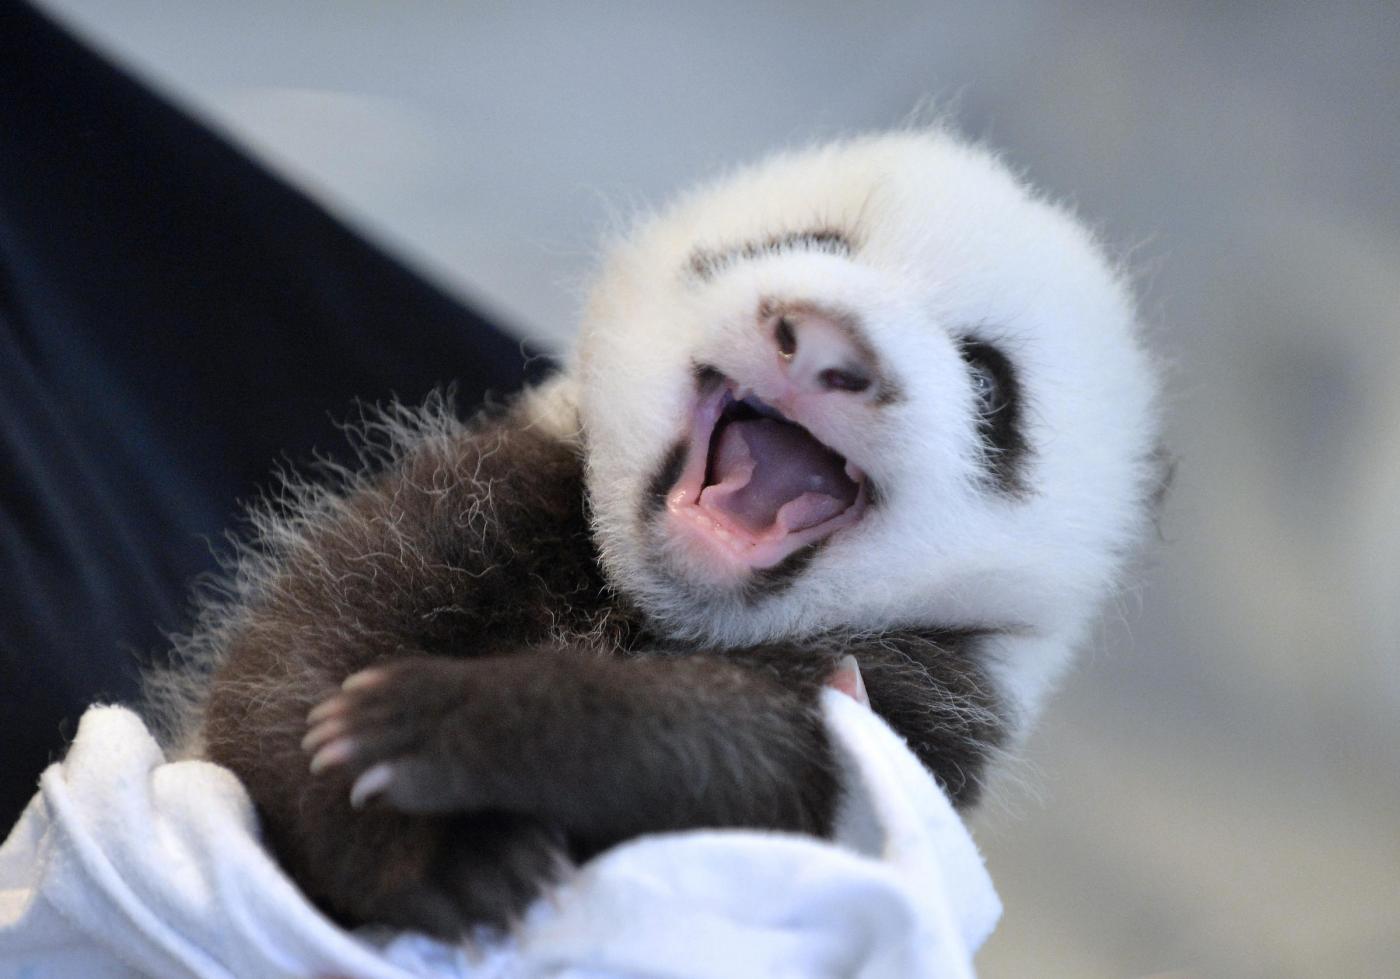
(874,404)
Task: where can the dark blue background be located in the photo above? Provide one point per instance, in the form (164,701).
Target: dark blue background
(173,322)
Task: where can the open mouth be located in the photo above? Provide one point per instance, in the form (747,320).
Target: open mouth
(757,486)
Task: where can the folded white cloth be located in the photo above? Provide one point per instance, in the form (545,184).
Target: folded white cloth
(127,865)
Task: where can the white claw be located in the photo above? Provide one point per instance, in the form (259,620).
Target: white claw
(370,783)
(335,753)
(362,679)
(325,709)
(322,732)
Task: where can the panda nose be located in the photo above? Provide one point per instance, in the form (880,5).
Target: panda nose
(821,352)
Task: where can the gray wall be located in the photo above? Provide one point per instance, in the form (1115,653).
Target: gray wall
(1216,791)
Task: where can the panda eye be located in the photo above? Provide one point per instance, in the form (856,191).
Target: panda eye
(984,384)
(990,374)
(998,393)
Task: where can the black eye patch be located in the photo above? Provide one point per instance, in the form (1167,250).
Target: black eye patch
(999,413)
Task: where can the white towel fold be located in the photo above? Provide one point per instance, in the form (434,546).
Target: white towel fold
(126,865)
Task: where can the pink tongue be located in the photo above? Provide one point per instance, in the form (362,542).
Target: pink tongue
(768,472)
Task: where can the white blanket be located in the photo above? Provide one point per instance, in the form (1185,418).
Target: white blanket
(126,865)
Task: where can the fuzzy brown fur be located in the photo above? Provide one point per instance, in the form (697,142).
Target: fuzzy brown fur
(533,715)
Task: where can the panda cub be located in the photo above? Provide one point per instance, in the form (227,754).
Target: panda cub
(872,414)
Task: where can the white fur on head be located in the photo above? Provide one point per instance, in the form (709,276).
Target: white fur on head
(944,244)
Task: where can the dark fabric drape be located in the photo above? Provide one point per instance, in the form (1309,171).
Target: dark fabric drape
(174,321)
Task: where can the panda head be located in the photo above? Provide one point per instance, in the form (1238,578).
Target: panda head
(875,384)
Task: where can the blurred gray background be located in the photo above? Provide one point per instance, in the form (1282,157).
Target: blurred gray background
(1217,790)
